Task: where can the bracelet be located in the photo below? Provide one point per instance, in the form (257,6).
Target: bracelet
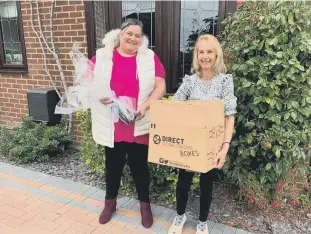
(226,142)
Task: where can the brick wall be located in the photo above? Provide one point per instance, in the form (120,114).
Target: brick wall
(69,26)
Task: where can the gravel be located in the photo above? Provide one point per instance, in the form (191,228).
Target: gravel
(225,207)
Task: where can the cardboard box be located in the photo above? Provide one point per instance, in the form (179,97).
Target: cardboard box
(186,135)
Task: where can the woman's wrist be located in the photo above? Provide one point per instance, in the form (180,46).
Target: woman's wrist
(226,145)
(145,105)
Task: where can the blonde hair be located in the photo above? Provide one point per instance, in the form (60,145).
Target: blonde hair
(219,66)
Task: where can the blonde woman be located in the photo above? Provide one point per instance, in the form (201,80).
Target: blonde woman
(208,82)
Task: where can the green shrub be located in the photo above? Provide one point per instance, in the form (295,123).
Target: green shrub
(91,153)
(267,46)
(33,141)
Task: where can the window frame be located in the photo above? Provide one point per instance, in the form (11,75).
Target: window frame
(15,68)
(112,9)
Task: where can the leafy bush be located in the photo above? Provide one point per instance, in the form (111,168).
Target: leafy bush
(91,153)
(33,141)
(267,46)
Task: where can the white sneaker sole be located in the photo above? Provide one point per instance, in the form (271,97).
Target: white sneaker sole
(205,231)
(177,229)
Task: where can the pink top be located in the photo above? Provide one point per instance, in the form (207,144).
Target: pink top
(124,83)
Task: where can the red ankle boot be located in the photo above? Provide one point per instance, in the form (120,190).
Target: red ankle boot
(146,215)
(110,207)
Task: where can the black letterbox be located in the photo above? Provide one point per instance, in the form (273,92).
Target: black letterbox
(41,105)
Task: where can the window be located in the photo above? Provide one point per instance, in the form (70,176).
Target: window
(197,17)
(171,26)
(12,46)
(99,22)
(143,11)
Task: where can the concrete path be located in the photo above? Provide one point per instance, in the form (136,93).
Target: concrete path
(33,202)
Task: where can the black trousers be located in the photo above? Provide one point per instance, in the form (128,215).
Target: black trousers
(136,155)
(206,187)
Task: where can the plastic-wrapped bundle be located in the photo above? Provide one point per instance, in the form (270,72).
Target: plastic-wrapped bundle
(87,90)
(78,96)
(124,109)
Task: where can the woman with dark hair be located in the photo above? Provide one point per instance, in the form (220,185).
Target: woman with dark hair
(129,68)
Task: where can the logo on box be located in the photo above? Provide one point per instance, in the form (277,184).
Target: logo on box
(162,160)
(156,139)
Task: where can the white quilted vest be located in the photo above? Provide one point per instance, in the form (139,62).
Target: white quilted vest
(102,122)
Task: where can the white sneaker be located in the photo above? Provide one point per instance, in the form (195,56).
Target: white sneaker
(178,224)
(199,231)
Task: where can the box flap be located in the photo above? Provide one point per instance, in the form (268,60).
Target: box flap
(195,114)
